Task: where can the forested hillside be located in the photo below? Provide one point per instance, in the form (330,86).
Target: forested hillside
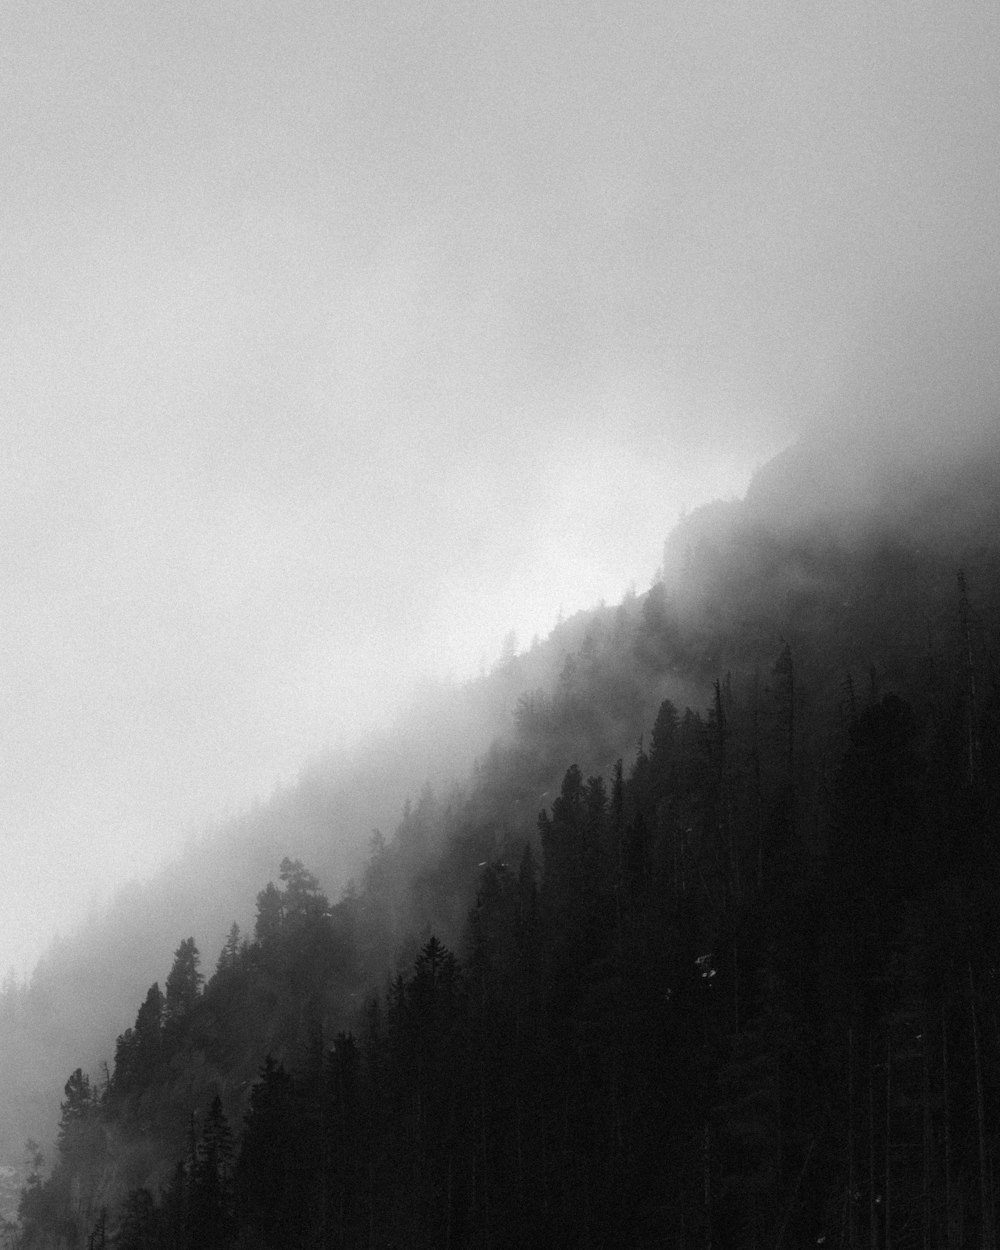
(701,951)
(70,1009)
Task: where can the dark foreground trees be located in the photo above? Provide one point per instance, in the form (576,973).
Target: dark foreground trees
(744,992)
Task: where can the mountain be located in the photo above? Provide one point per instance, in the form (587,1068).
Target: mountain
(684,932)
(72,1008)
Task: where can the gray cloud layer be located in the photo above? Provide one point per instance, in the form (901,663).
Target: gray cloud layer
(336,339)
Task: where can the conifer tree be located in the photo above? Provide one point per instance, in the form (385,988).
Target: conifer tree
(183,984)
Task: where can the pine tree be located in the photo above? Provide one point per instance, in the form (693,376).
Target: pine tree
(210,1204)
(270,917)
(232,950)
(274,1172)
(183,985)
(75,1113)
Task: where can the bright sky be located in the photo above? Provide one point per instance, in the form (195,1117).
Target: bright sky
(336,340)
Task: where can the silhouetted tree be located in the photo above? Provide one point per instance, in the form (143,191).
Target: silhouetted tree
(183,984)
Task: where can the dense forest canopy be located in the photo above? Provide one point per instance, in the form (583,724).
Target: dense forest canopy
(682,932)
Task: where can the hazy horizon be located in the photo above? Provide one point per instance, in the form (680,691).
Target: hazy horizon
(466,657)
(338,342)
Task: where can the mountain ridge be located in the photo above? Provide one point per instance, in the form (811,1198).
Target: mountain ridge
(857,608)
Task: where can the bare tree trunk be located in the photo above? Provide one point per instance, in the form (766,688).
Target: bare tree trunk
(707,1180)
(888,1139)
(852,1214)
(925,1200)
(682,1207)
(486,1167)
(518,1134)
(447,1238)
(779,1120)
(947,1129)
(789,1205)
(872,1204)
(986,1221)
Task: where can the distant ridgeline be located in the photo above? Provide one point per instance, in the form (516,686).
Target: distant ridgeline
(654,976)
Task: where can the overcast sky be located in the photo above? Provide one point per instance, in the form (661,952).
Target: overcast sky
(338,339)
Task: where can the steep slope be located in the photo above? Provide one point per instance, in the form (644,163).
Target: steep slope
(842,762)
(74,1004)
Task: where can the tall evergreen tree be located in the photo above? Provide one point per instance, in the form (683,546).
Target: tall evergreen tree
(183,984)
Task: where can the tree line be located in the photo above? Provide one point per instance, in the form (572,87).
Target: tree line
(741,991)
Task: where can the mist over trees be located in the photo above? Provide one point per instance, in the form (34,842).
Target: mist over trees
(681,932)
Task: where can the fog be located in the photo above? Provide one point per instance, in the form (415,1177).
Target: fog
(338,341)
